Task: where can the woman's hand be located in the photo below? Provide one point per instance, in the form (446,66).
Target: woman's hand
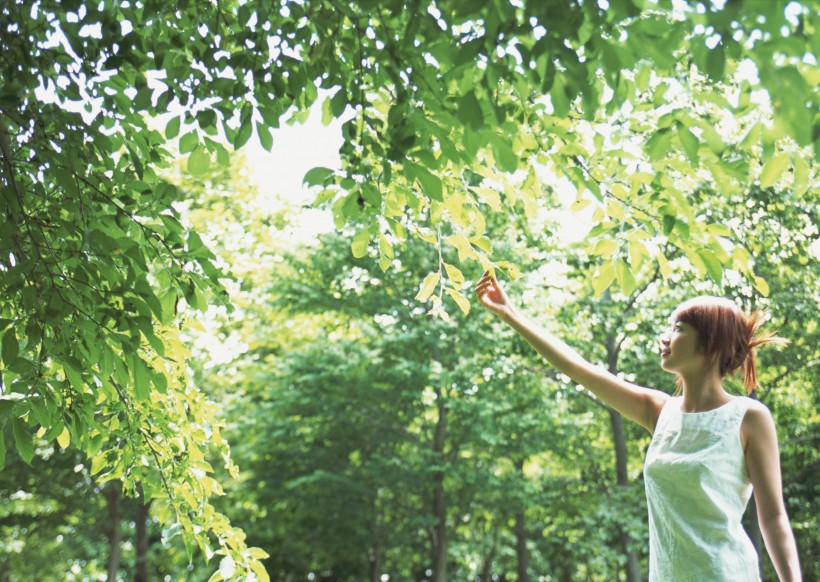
(492,296)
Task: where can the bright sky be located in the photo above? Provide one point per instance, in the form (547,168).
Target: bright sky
(298,148)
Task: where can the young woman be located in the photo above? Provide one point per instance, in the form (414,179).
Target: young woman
(709,449)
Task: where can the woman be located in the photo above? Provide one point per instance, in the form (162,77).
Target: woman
(709,449)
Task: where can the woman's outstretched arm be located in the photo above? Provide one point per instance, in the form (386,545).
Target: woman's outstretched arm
(643,405)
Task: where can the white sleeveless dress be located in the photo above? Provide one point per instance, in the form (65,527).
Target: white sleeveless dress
(697,489)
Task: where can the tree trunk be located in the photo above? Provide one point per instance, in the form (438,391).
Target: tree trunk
(112,495)
(521,547)
(376,561)
(439,549)
(143,509)
(487,564)
(521,535)
(633,572)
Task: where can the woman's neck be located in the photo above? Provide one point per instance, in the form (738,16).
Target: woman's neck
(703,391)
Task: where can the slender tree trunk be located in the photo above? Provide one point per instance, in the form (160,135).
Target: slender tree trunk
(633,572)
(112,495)
(521,535)
(143,511)
(376,553)
(439,548)
(521,547)
(487,564)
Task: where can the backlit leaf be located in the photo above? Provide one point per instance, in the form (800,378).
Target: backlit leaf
(427,287)
(603,278)
(772,170)
(361,240)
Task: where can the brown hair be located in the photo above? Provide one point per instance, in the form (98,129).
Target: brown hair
(727,335)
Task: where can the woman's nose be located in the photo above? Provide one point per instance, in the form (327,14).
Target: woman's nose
(665,340)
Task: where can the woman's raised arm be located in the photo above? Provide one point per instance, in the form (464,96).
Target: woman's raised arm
(643,405)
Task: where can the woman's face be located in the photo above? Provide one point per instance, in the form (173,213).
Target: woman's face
(679,348)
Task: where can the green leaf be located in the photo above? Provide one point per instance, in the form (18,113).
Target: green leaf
(658,145)
(243,134)
(664,267)
(716,62)
(23,440)
(626,279)
(199,161)
(360,242)
(2,451)
(385,248)
(142,379)
(504,156)
(469,111)
(188,142)
(98,463)
(317,176)
(772,170)
(713,266)
(430,183)
(172,129)
(427,287)
(265,137)
(10,347)
(801,176)
(689,143)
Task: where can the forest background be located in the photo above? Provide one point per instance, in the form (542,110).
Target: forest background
(157,304)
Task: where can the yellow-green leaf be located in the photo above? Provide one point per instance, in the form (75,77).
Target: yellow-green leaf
(260,571)
(801,176)
(637,253)
(605,248)
(626,279)
(454,274)
(199,161)
(385,247)
(64,439)
(603,279)
(360,242)
(762,285)
(713,266)
(741,259)
(462,302)
(663,265)
(689,143)
(428,286)
(772,170)
(490,196)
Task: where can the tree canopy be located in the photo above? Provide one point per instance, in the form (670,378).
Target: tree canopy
(456,112)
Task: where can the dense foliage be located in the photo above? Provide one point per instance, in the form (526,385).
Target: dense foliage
(681,127)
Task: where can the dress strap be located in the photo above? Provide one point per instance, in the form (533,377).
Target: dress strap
(742,404)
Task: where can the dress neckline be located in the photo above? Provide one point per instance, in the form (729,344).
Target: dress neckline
(731,401)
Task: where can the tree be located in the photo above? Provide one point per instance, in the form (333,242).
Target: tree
(449,101)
